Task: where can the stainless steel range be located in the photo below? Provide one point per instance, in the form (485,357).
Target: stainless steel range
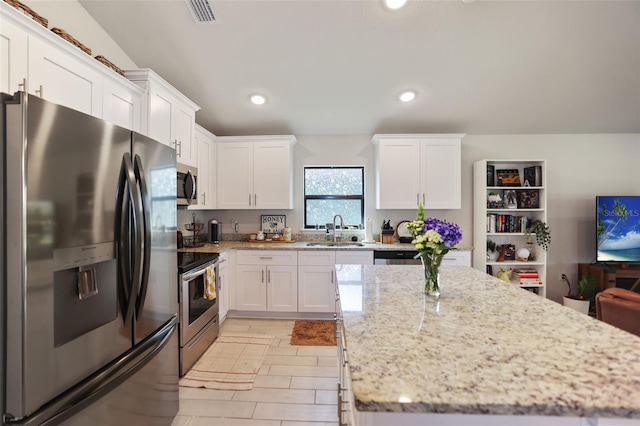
(199,323)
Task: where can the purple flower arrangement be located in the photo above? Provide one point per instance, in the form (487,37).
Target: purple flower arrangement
(433,236)
(449,232)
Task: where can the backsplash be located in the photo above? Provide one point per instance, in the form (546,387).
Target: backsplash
(249,224)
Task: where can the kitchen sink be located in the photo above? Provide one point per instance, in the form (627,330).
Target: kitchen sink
(336,244)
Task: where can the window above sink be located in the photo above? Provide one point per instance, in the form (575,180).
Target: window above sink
(331,190)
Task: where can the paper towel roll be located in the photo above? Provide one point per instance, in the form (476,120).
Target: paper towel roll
(368,232)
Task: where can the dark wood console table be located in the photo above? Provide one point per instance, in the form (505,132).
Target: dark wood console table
(612,275)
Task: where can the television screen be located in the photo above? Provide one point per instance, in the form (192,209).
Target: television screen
(618,228)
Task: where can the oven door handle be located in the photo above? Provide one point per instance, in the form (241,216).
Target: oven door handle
(189,277)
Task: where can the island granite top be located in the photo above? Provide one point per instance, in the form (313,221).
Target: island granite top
(486,347)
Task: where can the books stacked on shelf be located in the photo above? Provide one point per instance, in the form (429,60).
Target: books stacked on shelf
(533,176)
(507,223)
(526,277)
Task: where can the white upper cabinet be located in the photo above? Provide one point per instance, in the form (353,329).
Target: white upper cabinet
(41,63)
(60,78)
(121,105)
(255,172)
(204,142)
(13,57)
(235,175)
(417,169)
(167,115)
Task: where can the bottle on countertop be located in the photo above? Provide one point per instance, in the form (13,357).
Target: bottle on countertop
(327,236)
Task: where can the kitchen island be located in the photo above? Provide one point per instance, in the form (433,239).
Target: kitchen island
(485,353)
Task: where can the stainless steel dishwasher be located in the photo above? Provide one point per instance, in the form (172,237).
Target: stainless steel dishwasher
(395,257)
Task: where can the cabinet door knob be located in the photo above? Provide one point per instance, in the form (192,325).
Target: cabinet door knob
(204,198)
(23,85)
(40,92)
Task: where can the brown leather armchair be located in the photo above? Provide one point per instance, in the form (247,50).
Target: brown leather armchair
(620,308)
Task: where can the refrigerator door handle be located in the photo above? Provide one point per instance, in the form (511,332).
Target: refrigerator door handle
(146,232)
(128,273)
(102,382)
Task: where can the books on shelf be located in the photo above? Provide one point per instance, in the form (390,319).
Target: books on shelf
(532,176)
(507,223)
(526,277)
(491,175)
(530,282)
(528,199)
(525,272)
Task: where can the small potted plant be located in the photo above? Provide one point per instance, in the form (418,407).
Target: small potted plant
(580,300)
(492,254)
(542,233)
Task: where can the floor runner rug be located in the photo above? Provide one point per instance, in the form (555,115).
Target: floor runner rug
(313,333)
(231,363)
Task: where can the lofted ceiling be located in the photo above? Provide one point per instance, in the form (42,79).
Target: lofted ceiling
(337,67)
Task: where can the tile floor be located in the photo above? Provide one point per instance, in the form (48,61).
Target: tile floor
(296,385)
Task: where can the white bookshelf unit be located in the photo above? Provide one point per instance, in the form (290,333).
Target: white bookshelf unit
(504,222)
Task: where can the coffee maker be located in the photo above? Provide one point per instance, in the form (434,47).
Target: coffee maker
(215,231)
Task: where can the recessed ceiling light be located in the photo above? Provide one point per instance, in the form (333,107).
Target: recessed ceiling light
(258,99)
(395,4)
(407,96)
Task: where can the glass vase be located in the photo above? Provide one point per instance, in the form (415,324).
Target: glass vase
(431,268)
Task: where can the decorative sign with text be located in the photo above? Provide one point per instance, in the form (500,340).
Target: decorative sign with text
(273,224)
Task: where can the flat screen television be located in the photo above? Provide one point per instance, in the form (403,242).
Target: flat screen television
(618,228)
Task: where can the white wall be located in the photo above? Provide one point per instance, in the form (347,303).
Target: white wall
(579,168)
(75,20)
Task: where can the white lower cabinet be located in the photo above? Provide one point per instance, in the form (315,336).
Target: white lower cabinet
(316,276)
(316,281)
(354,257)
(346,405)
(224,284)
(457,258)
(267,280)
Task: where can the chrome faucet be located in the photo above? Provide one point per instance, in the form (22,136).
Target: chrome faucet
(334,226)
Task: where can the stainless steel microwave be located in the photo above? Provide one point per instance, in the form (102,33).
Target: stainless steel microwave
(187,185)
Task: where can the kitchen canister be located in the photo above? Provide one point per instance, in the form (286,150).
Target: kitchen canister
(286,233)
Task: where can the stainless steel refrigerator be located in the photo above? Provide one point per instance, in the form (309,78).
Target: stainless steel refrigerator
(89,270)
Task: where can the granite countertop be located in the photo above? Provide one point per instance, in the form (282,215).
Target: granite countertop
(486,347)
(298,245)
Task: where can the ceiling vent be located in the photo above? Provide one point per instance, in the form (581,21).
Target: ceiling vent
(201,10)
